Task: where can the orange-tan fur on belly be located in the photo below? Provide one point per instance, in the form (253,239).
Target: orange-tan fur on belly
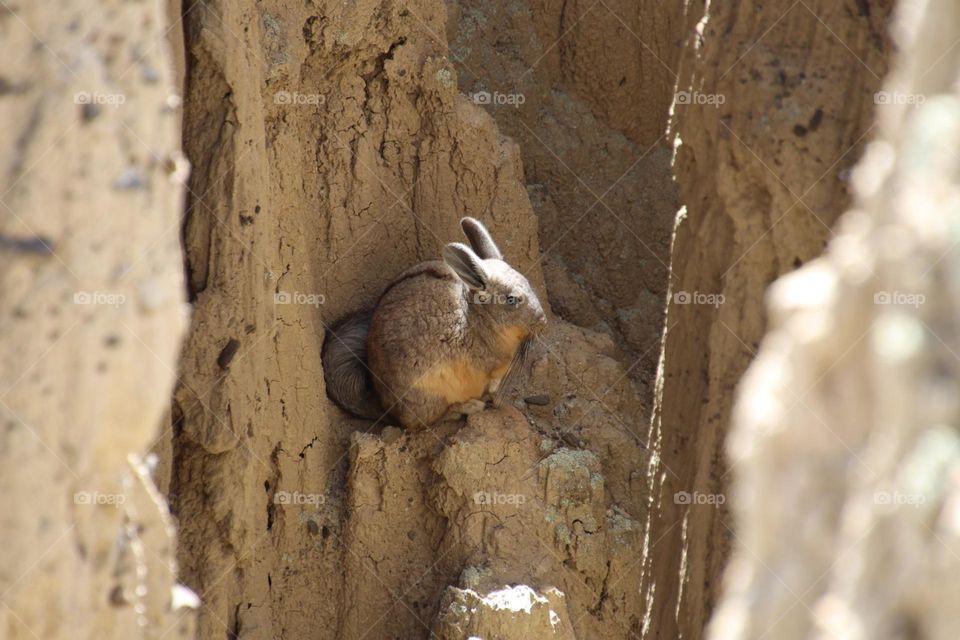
(509,339)
(454,380)
(458,380)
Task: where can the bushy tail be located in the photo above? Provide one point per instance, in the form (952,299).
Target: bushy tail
(345,367)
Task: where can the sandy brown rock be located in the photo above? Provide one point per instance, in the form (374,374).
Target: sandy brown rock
(393,572)
(511,612)
(91,185)
(501,499)
(585,88)
(333,149)
(336,144)
(778,102)
(849,412)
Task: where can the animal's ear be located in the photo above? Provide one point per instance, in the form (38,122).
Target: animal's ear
(467,265)
(480,239)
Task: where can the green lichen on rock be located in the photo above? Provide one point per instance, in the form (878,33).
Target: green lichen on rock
(445,77)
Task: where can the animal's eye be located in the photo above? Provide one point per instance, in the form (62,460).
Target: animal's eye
(513,300)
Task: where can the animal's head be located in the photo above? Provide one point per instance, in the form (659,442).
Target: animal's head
(496,290)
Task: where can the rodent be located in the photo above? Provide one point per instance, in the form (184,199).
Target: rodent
(442,335)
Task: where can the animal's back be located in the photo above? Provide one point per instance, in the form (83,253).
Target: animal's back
(415,317)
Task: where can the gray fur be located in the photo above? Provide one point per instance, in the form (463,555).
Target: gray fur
(467,265)
(345,367)
(480,239)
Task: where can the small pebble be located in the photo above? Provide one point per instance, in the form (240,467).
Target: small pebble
(541,399)
(390,434)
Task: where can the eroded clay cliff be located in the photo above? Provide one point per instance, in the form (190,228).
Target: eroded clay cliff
(333,148)
(845,432)
(91,185)
(778,103)
(335,144)
(585,89)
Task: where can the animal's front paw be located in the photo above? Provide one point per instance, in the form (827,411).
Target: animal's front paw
(471,407)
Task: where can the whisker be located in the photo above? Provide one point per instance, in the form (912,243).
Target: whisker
(513,371)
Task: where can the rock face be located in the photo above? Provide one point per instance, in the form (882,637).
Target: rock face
(845,432)
(91,184)
(517,612)
(501,505)
(585,89)
(332,149)
(774,105)
(334,145)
